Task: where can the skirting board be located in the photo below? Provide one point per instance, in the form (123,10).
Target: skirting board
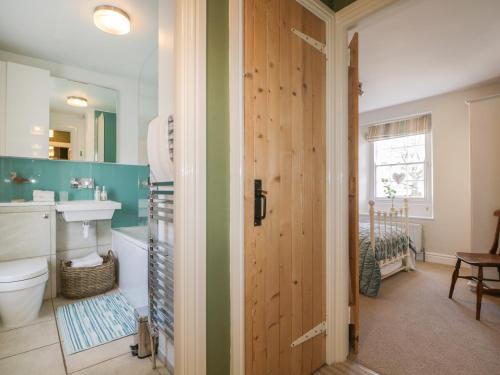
(439,258)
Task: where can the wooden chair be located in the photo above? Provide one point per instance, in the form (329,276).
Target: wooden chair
(480,260)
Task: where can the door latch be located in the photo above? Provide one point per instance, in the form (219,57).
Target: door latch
(260,203)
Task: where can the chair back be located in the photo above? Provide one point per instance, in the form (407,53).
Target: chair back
(494,248)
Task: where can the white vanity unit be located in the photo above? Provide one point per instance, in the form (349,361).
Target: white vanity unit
(28,230)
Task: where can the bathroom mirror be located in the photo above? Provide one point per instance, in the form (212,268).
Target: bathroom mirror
(71,90)
(82,121)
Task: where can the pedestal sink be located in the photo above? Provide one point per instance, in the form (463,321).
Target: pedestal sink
(86,210)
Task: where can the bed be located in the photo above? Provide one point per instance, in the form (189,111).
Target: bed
(385,247)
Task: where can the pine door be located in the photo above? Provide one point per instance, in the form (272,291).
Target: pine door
(285,72)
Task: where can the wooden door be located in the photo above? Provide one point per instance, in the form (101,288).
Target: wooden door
(353,139)
(285,296)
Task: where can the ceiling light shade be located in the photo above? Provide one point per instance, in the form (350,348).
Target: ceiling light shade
(76,101)
(111,20)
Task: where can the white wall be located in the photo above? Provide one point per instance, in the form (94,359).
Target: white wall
(3,97)
(450,230)
(90,134)
(166,59)
(166,105)
(148,110)
(127,112)
(485,171)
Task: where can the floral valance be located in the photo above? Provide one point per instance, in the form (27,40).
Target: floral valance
(401,128)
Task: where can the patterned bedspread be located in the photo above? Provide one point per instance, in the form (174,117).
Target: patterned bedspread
(386,247)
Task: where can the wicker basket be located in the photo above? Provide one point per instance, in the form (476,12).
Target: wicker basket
(82,282)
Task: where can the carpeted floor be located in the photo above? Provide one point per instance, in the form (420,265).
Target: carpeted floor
(345,368)
(412,328)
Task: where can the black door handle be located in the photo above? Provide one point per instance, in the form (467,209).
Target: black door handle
(260,203)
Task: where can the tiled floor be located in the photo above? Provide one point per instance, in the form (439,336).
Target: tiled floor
(37,349)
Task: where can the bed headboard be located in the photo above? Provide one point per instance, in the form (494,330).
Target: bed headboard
(389,222)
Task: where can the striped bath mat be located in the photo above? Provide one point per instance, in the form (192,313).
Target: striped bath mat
(95,321)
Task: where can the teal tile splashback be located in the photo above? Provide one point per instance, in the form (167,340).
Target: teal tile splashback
(126,184)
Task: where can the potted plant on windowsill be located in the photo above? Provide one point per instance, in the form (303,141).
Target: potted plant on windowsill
(389,191)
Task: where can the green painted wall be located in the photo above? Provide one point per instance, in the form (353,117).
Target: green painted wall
(339,4)
(218,317)
(123,183)
(218,308)
(109,135)
(328,2)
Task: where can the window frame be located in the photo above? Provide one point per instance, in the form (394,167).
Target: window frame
(420,207)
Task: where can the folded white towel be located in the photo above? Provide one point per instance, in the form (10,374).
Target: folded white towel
(161,168)
(91,260)
(43,196)
(47,194)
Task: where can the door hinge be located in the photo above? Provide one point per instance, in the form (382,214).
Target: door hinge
(318,330)
(311,41)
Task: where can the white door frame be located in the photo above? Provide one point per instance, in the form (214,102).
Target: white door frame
(345,19)
(335,237)
(190,188)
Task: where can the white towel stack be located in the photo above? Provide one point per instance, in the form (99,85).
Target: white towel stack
(90,260)
(43,196)
(160,166)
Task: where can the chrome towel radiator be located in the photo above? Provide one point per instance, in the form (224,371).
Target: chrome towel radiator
(161,262)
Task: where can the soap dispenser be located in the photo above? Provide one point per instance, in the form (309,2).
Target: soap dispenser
(104,194)
(97,194)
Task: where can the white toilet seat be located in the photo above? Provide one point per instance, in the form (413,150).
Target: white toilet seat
(23,284)
(22,274)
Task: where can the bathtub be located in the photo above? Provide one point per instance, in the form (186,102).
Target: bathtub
(130,248)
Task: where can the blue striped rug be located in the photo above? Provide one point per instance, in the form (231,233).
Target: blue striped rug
(95,321)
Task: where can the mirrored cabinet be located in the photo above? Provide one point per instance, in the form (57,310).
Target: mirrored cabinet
(42,116)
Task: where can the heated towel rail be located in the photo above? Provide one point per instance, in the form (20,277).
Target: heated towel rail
(161,261)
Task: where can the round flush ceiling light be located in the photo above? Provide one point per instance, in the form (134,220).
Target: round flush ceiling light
(112,20)
(76,101)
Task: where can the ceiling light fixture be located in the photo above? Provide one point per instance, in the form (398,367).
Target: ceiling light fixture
(111,20)
(76,101)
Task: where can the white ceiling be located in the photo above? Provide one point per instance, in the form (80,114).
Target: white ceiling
(100,98)
(63,31)
(420,48)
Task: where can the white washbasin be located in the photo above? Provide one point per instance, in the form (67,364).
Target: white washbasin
(87,210)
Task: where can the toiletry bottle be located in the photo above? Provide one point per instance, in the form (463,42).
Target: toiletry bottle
(104,194)
(97,194)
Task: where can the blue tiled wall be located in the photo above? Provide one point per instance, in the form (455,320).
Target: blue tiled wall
(125,183)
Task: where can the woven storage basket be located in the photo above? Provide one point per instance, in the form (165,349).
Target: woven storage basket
(82,282)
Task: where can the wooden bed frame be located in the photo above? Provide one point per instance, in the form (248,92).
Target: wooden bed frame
(390,222)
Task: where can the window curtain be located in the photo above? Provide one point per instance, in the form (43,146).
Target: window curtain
(401,128)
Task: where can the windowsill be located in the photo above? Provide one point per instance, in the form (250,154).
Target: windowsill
(420,201)
(426,218)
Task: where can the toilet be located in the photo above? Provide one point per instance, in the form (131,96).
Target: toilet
(22,286)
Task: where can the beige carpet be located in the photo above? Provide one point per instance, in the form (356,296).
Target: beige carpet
(413,328)
(345,368)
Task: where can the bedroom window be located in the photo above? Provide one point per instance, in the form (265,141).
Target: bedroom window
(402,162)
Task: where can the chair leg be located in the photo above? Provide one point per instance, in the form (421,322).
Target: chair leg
(454,278)
(479,292)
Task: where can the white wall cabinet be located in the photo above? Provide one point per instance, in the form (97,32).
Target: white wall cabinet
(24,97)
